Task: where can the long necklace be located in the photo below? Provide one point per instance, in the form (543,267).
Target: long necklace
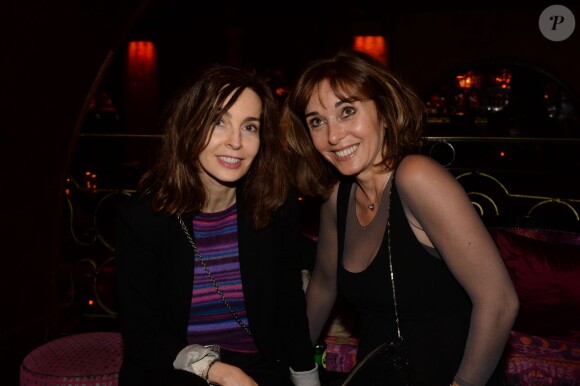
(371,204)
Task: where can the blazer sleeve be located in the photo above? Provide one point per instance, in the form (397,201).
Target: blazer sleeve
(152,339)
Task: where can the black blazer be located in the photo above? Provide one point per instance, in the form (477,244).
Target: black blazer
(154,270)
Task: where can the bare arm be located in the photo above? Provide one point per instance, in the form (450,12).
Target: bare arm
(439,207)
(322,289)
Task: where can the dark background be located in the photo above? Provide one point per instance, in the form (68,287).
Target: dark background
(57,54)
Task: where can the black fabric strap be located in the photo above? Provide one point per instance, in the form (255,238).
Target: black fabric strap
(342,198)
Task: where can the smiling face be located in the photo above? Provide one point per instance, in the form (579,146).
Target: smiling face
(347,133)
(233,143)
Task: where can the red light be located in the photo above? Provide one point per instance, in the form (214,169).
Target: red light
(376,46)
(142,54)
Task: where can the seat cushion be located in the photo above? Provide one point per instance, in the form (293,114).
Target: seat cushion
(533,360)
(88,359)
(545,269)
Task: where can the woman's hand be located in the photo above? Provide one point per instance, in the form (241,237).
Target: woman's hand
(227,375)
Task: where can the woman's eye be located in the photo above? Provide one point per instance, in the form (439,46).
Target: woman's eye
(315,122)
(219,122)
(251,128)
(348,111)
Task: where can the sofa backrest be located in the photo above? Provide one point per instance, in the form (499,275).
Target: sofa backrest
(543,260)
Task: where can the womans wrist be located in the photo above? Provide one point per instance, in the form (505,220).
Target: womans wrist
(206,377)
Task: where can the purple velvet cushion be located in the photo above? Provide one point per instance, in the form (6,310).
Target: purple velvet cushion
(546,274)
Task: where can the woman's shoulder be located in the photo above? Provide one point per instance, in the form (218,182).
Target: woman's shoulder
(417,163)
(136,202)
(418,169)
(137,221)
(418,174)
(328,205)
(139,208)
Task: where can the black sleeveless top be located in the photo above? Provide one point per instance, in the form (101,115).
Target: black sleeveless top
(434,310)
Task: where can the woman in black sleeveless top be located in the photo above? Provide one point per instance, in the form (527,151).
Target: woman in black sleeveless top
(355,131)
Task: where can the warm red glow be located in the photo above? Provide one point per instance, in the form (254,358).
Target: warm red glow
(501,154)
(471,79)
(91,302)
(503,78)
(90,180)
(142,57)
(376,46)
(142,87)
(281,91)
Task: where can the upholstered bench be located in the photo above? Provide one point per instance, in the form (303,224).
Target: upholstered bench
(533,360)
(543,260)
(87,359)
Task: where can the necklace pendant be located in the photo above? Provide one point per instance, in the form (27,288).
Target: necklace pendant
(371,206)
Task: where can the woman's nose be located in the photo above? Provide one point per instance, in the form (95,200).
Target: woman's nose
(335,133)
(235,139)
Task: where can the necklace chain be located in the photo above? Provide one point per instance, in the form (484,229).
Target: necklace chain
(213,281)
(371,204)
(392,274)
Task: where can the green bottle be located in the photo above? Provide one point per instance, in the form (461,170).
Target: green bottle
(320,353)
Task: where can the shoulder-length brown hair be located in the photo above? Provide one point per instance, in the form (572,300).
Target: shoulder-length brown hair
(189,119)
(352,76)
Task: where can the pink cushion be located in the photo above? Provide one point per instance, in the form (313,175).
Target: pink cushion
(532,360)
(87,359)
(545,271)
(340,354)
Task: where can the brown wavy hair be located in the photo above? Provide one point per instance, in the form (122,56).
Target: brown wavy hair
(189,119)
(353,76)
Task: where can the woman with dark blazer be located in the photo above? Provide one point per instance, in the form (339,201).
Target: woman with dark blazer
(208,265)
